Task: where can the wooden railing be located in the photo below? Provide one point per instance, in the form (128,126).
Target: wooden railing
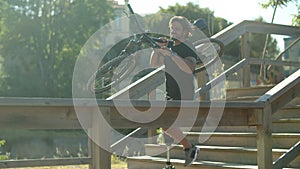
(228,35)
(45,113)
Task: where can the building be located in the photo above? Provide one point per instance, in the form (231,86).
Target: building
(293,54)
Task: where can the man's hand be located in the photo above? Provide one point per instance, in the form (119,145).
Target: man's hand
(164,42)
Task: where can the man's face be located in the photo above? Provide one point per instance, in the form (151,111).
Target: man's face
(177,32)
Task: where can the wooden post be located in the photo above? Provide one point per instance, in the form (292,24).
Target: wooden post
(264,140)
(245,54)
(201,80)
(100,135)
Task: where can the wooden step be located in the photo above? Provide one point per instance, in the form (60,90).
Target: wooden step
(148,162)
(226,154)
(279,125)
(247,93)
(242,139)
(285,113)
(290,125)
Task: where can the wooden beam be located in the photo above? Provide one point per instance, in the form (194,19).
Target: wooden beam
(44,162)
(268,28)
(234,113)
(259,61)
(234,31)
(282,93)
(264,140)
(288,157)
(221,77)
(142,86)
(38,117)
(245,49)
(99,135)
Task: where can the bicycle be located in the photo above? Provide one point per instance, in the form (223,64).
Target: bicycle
(107,76)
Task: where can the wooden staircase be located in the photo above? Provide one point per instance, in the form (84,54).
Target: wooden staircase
(231,146)
(258,125)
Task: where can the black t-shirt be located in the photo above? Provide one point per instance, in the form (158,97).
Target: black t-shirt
(179,84)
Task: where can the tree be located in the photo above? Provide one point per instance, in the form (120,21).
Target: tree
(40,40)
(273,3)
(256,42)
(193,12)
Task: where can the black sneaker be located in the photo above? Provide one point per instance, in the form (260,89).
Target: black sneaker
(190,155)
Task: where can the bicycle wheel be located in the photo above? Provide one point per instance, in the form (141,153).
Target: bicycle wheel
(111,73)
(209,51)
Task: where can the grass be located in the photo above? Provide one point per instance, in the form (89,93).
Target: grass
(121,165)
(57,167)
(115,164)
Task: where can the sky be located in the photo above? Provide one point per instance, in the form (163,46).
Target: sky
(232,10)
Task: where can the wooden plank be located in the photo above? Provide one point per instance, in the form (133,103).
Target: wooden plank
(268,28)
(282,87)
(245,49)
(142,86)
(247,91)
(44,162)
(55,117)
(259,61)
(234,114)
(125,140)
(231,33)
(288,157)
(264,140)
(35,101)
(285,98)
(221,77)
(282,93)
(234,31)
(99,134)
(38,117)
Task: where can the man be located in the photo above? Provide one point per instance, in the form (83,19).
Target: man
(179,59)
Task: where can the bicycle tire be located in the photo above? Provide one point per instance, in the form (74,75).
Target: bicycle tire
(98,84)
(218,51)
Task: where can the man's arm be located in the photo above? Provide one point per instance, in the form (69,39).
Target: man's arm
(187,64)
(156,60)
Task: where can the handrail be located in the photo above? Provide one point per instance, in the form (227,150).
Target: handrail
(257,61)
(282,93)
(226,36)
(287,157)
(221,77)
(234,31)
(141,86)
(279,56)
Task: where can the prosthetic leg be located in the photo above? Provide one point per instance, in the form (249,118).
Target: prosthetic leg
(168,141)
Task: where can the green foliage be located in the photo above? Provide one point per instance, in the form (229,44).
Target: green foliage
(40,41)
(160,136)
(3,157)
(2,142)
(283,3)
(192,12)
(296,18)
(257,43)
(273,3)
